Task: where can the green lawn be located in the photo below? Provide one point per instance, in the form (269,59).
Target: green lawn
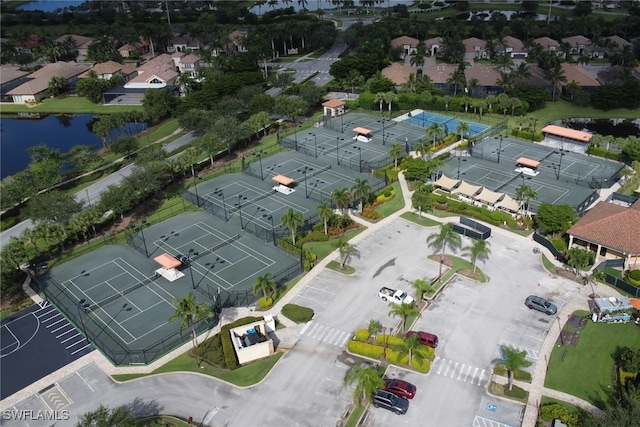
(335,266)
(74,105)
(242,377)
(322,249)
(355,416)
(588,368)
(425,222)
(394,205)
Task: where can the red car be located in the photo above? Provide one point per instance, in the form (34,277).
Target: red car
(424,338)
(400,388)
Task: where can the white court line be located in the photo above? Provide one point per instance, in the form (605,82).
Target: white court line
(480,377)
(17,341)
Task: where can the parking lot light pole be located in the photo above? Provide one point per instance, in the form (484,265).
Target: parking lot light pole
(140,228)
(384,341)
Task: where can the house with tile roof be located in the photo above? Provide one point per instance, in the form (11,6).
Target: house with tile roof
(486,76)
(583,78)
(183,43)
(439,74)
(140,48)
(433,45)
(399,73)
(236,41)
(512,47)
(407,45)
(610,230)
(475,48)
(549,45)
(333,107)
(155,74)
(36,86)
(82,44)
(580,44)
(106,70)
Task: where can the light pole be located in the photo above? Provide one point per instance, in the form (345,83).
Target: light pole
(304,171)
(219,192)
(383,126)
(273,231)
(359,157)
(499,148)
(338,139)
(191,255)
(459,160)
(239,206)
(85,306)
(195,187)
(341,123)
(140,228)
(315,143)
(259,155)
(559,165)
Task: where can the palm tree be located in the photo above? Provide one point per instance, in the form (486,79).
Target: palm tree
(479,248)
(379,99)
(266,285)
(324,213)
(446,237)
(344,249)
(374,327)
(418,56)
(57,85)
(434,131)
(367,381)
(521,73)
(421,147)
(513,361)
(525,194)
(420,286)
(462,129)
(446,99)
(595,277)
(403,310)
(341,198)
(292,220)
(353,79)
(390,97)
(396,151)
(410,347)
(189,313)
(555,75)
(360,190)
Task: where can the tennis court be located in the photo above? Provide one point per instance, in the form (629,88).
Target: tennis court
(425,119)
(562,177)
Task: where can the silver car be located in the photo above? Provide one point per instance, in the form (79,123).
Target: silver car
(538,303)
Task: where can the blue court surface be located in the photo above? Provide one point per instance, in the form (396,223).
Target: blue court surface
(450,123)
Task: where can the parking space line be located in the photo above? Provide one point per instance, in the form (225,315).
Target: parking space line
(305,327)
(85,381)
(70,338)
(80,349)
(55,323)
(481,377)
(321,290)
(461,370)
(454,369)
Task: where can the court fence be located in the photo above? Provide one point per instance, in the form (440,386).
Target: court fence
(547,244)
(472,229)
(100,336)
(615,281)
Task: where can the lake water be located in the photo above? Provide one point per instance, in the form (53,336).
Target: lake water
(61,132)
(48,5)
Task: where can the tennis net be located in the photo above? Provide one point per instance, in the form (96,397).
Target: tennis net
(319,171)
(120,294)
(254,200)
(335,148)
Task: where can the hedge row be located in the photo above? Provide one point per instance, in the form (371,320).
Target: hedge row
(551,411)
(393,356)
(230,358)
(480,213)
(365,349)
(527,134)
(602,152)
(362,335)
(396,341)
(297,313)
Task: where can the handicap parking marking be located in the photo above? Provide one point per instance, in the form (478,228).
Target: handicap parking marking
(479,421)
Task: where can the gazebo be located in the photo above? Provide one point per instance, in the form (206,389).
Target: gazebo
(284,184)
(446,183)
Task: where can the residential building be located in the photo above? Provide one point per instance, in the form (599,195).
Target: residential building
(139,48)
(36,86)
(157,73)
(580,45)
(475,48)
(439,74)
(183,43)
(609,230)
(549,45)
(433,45)
(408,45)
(512,47)
(106,70)
(10,77)
(398,73)
(579,75)
(82,44)
(236,41)
(486,76)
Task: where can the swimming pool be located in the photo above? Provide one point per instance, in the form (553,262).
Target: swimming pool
(450,123)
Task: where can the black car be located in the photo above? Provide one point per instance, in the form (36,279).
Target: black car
(387,400)
(540,304)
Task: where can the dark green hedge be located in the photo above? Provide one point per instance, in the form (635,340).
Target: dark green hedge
(297,313)
(526,134)
(601,152)
(230,358)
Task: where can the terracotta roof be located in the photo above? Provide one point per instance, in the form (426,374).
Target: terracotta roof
(238,36)
(189,59)
(579,75)
(578,40)
(398,73)
(473,45)
(39,80)
(333,103)
(161,66)
(9,73)
(432,41)
(546,42)
(82,42)
(108,67)
(568,133)
(612,226)
(515,44)
(618,40)
(439,73)
(403,41)
(486,75)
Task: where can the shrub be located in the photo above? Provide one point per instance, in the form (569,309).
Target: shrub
(394,357)
(370,212)
(551,411)
(227,346)
(634,277)
(385,196)
(297,313)
(423,366)
(264,303)
(365,349)
(559,244)
(602,152)
(516,393)
(211,350)
(362,335)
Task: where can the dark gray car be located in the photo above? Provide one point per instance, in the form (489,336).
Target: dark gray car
(384,399)
(540,304)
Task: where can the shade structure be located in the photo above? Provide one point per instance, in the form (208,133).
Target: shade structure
(284,180)
(523,161)
(509,204)
(467,189)
(167,261)
(573,134)
(488,196)
(635,302)
(446,183)
(362,131)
